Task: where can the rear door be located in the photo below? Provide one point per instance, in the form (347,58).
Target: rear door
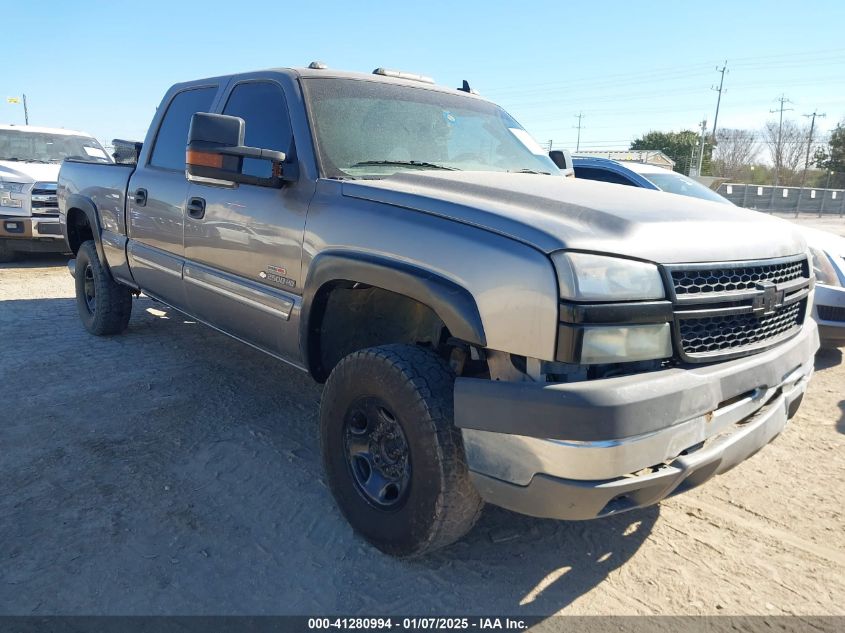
(156,200)
(243,256)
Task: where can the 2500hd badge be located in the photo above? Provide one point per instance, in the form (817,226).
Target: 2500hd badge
(276,274)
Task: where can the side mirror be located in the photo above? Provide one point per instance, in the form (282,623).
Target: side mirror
(563,160)
(215,153)
(126,152)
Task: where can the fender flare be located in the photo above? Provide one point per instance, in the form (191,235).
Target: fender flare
(86,205)
(453,304)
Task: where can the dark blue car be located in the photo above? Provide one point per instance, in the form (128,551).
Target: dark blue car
(641,175)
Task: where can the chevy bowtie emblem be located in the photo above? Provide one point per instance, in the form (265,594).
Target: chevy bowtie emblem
(769,301)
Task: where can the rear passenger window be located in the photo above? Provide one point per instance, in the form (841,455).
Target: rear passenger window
(262,106)
(172,138)
(602,175)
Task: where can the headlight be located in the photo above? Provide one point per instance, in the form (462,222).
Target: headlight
(626,343)
(823,268)
(12,187)
(586,277)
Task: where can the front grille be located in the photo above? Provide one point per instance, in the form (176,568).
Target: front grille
(831,313)
(730,279)
(733,309)
(719,333)
(44,200)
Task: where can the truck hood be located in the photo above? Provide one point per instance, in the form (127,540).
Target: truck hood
(29,172)
(553,213)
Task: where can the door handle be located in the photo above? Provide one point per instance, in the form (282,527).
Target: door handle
(140,197)
(196,208)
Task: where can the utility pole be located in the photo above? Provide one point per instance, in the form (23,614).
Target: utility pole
(703,125)
(812,118)
(779,149)
(579,116)
(719,98)
(25,111)
(690,169)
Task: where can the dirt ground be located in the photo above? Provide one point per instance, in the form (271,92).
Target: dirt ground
(831,223)
(172,470)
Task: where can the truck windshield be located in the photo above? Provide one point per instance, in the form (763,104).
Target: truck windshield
(368,129)
(45,147)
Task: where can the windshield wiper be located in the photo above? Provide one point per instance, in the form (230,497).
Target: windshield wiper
(405,163)
(528,171)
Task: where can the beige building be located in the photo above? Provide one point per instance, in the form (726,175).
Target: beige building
(648,156)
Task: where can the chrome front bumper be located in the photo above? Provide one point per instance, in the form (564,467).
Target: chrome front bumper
(28,228)
(47,228)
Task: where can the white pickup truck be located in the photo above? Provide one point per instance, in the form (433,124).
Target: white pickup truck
(30,158)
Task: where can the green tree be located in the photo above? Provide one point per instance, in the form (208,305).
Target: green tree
(832,158)
(679,146)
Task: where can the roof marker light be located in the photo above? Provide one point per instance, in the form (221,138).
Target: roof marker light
(385,72)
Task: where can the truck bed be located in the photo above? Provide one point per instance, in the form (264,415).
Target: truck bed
(104,185)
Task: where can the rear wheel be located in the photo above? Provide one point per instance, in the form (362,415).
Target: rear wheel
(103,304)
(394,459)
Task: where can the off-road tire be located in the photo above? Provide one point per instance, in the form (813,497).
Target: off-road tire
(416,386)
(108,310)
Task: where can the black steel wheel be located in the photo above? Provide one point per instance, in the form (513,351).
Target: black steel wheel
(394,460)
(104,305)
(377,452)
(90,289)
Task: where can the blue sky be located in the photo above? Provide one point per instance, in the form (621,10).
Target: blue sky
(630,67)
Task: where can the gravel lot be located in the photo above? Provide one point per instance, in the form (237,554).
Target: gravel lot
(833,224)
(174,471)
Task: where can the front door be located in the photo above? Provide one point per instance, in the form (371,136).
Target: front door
(243,245)
(157,192)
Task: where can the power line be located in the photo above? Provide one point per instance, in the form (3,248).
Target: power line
(800,59)
(622,95)
(779,62)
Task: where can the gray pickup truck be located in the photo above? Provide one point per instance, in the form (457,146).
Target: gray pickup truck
(487,330)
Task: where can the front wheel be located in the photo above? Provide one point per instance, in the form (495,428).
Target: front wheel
(103,304)
(393,457)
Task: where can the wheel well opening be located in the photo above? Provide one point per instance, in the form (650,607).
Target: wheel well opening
(78,229)
(349,316)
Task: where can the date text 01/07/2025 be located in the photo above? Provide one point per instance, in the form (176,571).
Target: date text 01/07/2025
(419,623)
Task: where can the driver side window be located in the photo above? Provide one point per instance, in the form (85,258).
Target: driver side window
(262,106)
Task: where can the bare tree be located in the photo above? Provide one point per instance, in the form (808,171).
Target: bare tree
(786,149)
(736,151)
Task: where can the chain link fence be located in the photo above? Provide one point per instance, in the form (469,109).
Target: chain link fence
(796,200)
